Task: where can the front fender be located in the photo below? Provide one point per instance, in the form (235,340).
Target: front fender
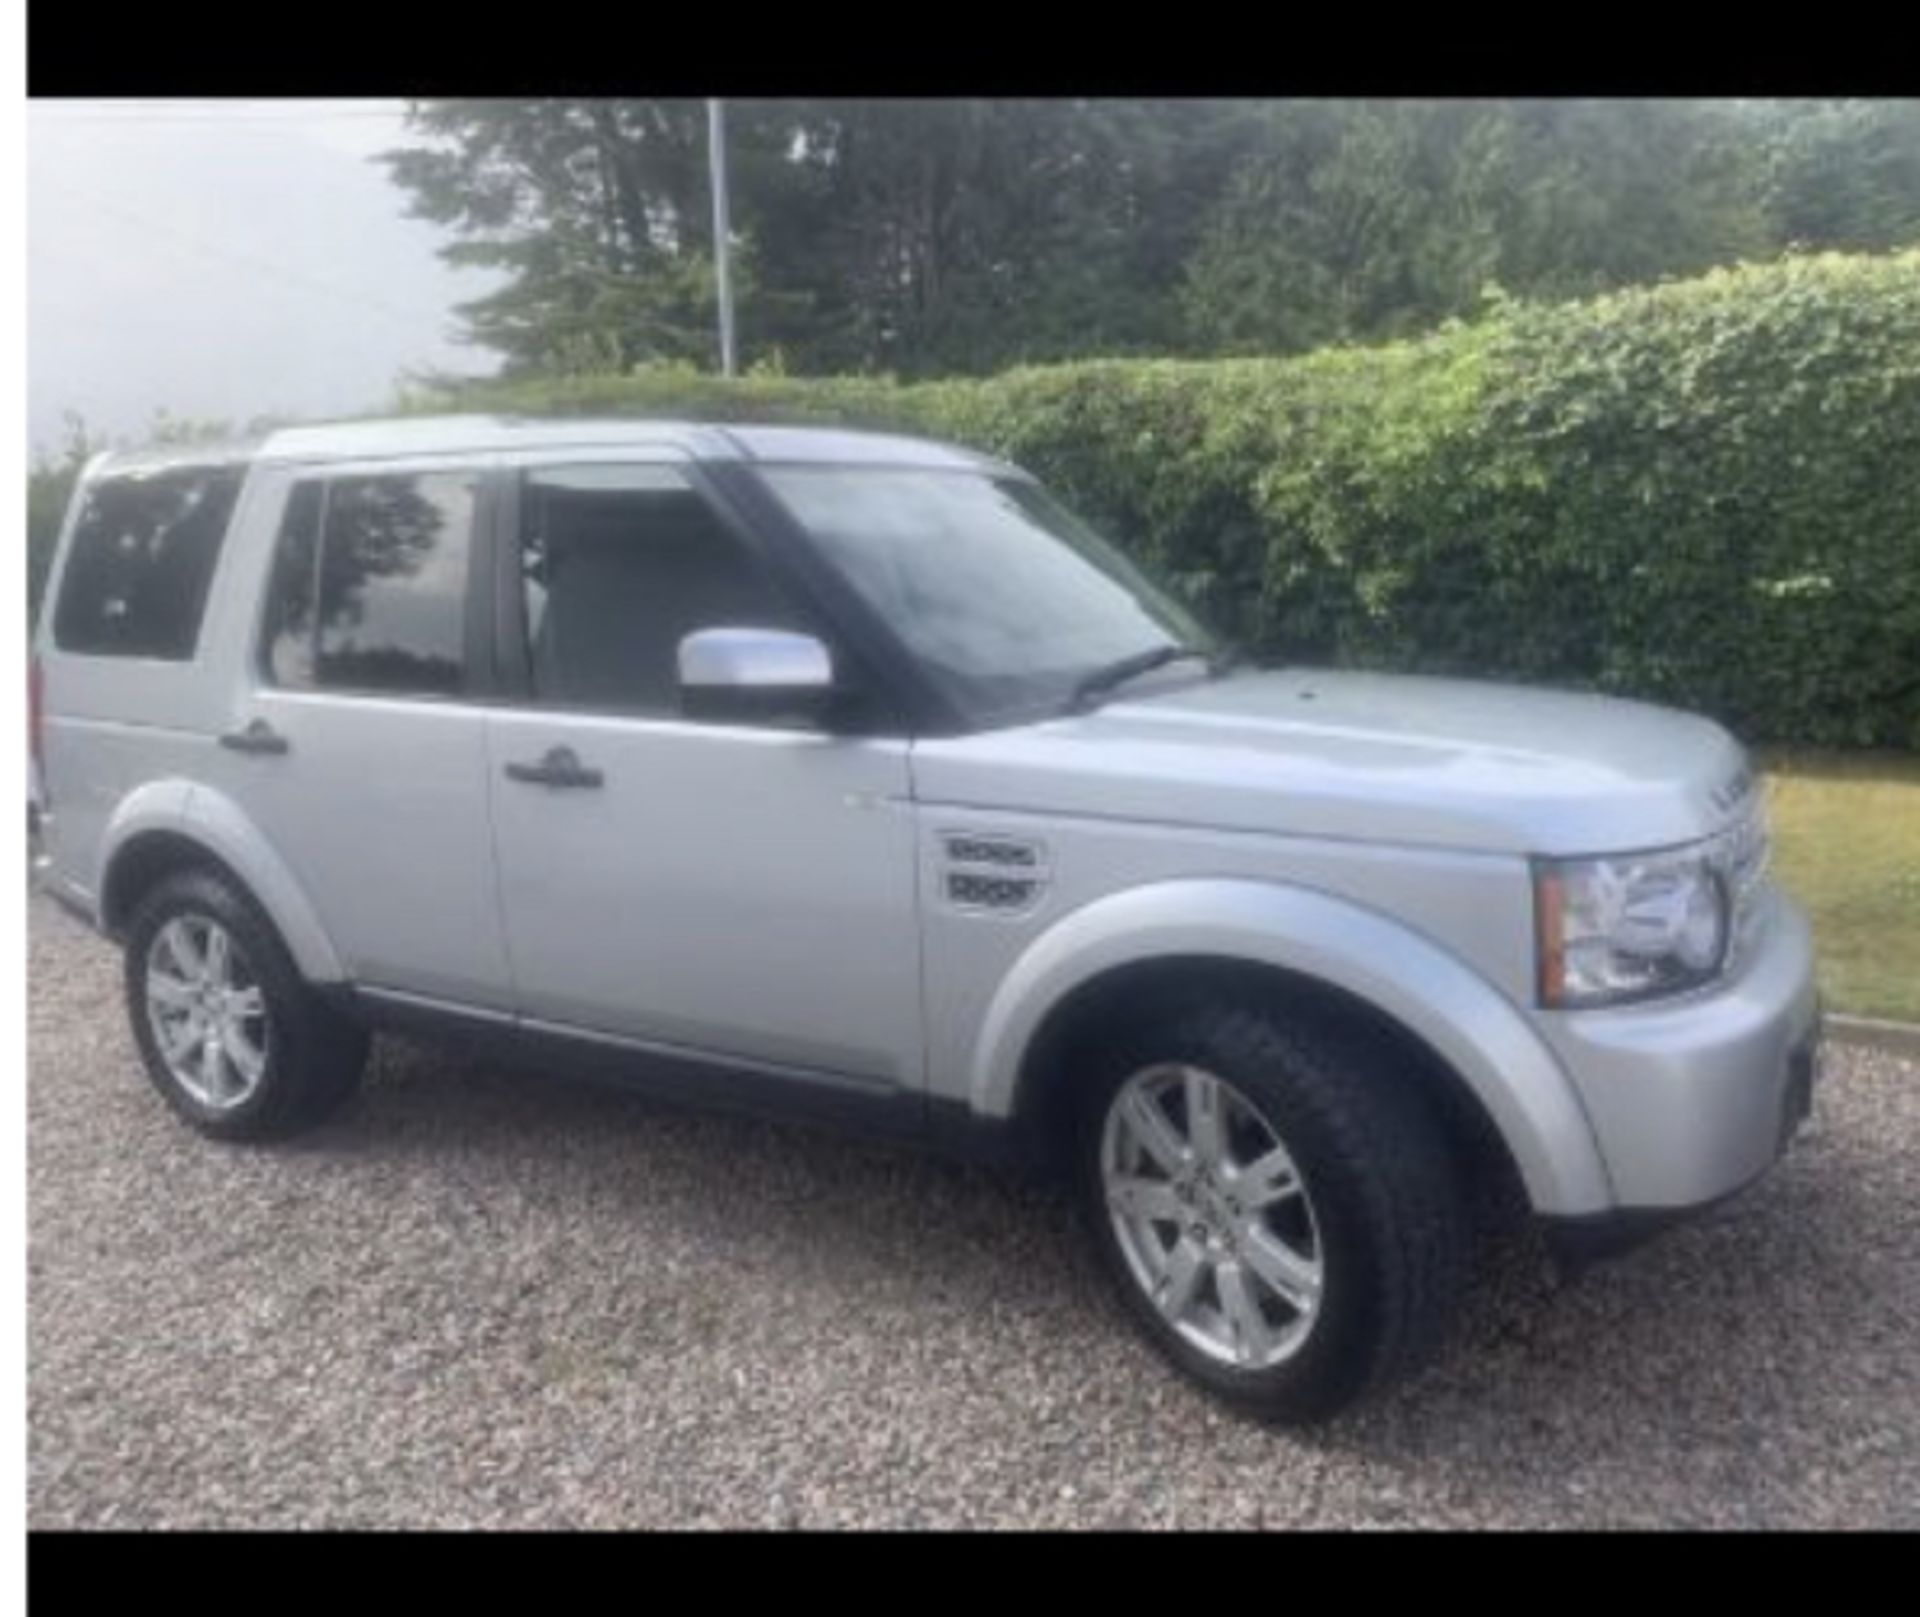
(1462,1017)
(201,814)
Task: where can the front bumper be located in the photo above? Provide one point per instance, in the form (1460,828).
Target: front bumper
(1691,1100)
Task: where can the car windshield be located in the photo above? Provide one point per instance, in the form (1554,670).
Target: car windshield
(1006,597)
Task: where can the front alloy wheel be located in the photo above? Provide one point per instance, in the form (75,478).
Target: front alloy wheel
(1212,1215)
(1273,1191)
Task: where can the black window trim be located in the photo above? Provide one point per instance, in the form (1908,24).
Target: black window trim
(477,649)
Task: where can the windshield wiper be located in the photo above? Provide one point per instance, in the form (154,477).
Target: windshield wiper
(1102,680)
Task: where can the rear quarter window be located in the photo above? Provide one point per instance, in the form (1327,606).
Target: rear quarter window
(141,559)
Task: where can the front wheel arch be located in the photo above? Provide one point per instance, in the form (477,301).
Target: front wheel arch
(1087,1016)
(1402,982)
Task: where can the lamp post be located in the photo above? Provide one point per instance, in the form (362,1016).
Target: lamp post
(722,246)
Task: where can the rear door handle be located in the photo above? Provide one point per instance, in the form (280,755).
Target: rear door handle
(559,768)
(258,736)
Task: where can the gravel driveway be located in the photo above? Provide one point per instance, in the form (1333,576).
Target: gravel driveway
(488,1299)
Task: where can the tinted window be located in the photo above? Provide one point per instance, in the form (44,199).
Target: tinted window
(1004,595)
(290,629)
(370,589)
(141,560)
(620,564)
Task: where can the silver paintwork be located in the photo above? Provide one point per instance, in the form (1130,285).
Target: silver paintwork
(1000,982)
(1685,1096)
(1375,758)
(378,807)
(782,898)
(754,659)
(1212,1215)
(207,1014)
(731,888)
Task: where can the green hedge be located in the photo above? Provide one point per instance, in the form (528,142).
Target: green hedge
(1706,492)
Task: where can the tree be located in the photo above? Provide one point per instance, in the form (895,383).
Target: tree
(1841,174)
(961,236)
(596,209)
(1370,219)
(909,236)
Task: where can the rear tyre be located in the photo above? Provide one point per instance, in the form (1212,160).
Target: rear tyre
(1278,1209)
(230,1033)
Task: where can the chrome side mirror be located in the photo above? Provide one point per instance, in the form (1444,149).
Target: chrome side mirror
(754,675)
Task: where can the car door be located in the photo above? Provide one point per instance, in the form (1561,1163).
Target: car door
(357,744)
(736,890)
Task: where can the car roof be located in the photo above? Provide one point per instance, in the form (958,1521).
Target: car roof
(157,458)
(476,434)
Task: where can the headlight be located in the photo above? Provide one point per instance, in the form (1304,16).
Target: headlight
(1631,927)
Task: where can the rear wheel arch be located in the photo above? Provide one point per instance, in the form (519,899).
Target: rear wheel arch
(142,862)
(171,825)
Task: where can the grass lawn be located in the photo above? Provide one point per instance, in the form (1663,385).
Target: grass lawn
(1846,843)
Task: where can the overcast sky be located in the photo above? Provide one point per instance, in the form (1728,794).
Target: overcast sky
(225,260)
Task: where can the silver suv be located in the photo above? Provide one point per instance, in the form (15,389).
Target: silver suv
(851,775)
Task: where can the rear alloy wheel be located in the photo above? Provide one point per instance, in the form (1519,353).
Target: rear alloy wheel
(1275,1198)
(233,1037)
(207,1011)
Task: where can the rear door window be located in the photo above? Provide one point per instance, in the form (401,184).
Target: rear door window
(371,583)
(141,560)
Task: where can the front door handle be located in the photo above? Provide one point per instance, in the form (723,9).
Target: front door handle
(258,736)
(559,768)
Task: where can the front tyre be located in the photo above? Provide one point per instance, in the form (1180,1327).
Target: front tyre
(1277,1206)
(231,1034)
